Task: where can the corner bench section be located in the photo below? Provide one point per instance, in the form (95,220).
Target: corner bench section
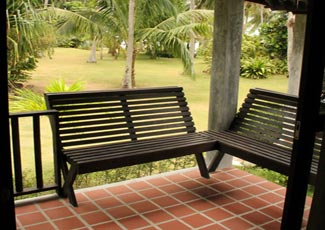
(101,130)
(262,132)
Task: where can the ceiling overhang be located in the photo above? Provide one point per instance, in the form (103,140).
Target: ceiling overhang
(295,6)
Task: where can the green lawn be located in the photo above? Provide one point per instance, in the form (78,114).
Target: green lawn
(107,73)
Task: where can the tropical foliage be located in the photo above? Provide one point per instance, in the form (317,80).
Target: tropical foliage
(29,100)
(28,36)
(274,35)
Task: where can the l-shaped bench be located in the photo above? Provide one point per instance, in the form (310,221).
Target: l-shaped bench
(101,130)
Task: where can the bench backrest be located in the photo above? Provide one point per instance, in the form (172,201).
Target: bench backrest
(98,117)
(270,117)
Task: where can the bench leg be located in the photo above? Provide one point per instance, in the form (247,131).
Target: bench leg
(65,171)
(213,165)
(68,185)
(202,165)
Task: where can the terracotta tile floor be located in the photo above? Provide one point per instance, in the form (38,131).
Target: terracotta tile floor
(180,200)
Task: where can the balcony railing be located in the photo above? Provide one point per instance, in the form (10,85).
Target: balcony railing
(38,184)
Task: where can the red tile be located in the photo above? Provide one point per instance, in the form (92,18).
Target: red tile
(158,216)
(280,204)
(108,225)
(120,212)
(68,223)
(254,179)
(190,184)
(237,173)
(31,218)
(281,191)
(151,193)
(218,214)
(270,186)
(238,183)
(201,205)
(185,196)
(175,224)
(273,211)
(95,217)
(97,194)
(138,185)
(176,201)
(238,194)
(271,226)
(159,181)
(108,202)
(176,177)
(119,189)
(41,226)
(257,218)
(222,177)
(255,202)
(165,201)
(81,197)
(214,226)
(171,188)
(84,207)
(197,220)
(207,182)
(56,213)
(237,208)
(25,208)
(236,224)
(130,197)
(220,199)
(204,192)
(51,203)
(271,198)
(254,189)
(308,201)
(144,206)
(193,174)
(150,228)
(180,210)
(134,222)
(222,187)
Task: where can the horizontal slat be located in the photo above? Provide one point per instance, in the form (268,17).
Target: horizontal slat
(263,131)
(121,154)
(266,155)
(97,117)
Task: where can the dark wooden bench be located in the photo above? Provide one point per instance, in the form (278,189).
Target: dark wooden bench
(101,130)
(262,132)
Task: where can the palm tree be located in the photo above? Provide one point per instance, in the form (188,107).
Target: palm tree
(28,35)
(115,18)
(173,34)
(138,17)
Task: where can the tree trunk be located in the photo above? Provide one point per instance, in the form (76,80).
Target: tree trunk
(192,44)
(92,56)
(133,67)
(127,79)
(296,39)
(46,3)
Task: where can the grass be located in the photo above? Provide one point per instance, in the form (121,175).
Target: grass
(70,65)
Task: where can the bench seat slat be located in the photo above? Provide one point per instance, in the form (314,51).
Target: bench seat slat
(158,149)
(117,148)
